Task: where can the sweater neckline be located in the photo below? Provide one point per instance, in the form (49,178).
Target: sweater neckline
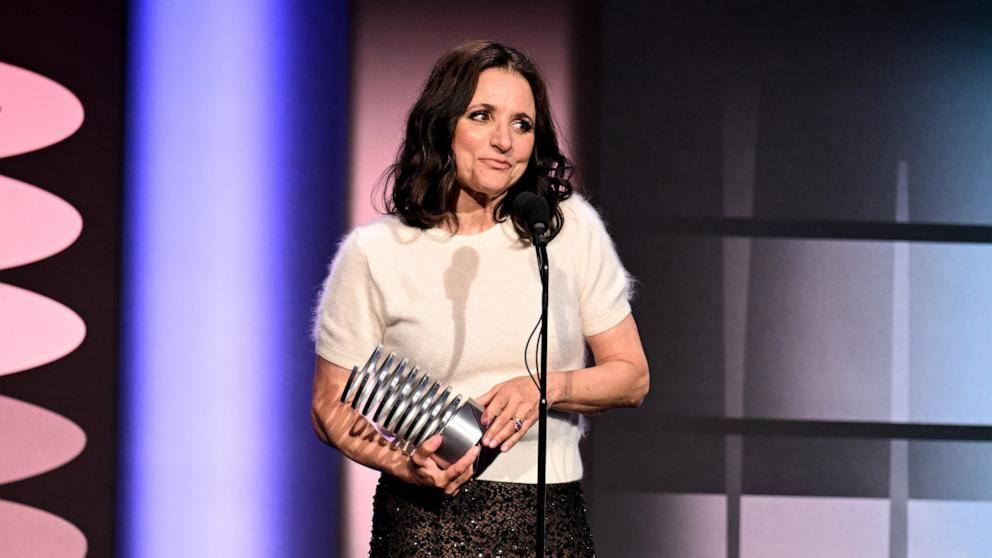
(494,233)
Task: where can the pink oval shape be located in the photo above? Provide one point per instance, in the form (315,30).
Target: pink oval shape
(35,330)
(34,224)
(35,111)
(29,532)
(35,440)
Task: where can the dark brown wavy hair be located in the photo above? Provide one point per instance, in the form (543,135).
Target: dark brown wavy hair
(424,191)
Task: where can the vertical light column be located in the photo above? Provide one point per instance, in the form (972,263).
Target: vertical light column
(202,335)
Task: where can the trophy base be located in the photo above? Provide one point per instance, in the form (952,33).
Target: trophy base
(463,430)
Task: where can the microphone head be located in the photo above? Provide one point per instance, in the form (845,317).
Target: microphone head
(533,210)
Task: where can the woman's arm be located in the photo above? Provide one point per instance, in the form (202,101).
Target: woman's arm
(619,378)
(338,425)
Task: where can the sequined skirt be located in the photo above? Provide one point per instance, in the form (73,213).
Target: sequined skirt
(484,519)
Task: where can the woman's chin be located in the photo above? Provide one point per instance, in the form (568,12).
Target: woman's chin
(487,191)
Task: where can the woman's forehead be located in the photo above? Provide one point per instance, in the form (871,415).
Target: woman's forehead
(504,89)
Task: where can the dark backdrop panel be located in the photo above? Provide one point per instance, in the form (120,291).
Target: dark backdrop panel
(81,46)
(822,117)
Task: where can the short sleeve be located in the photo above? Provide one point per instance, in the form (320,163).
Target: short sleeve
(349,320)
(604,285)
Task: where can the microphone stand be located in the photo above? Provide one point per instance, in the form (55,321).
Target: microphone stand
(536,212)
(540,243)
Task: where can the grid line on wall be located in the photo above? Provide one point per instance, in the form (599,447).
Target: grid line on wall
(820,229)
(821,428)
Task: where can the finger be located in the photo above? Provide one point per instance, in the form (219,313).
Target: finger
(500,429)
(463,464)
(499,436)
(441,462)
(429,446)
(452,474)
(469,459)
(515,437)
(423,453)
(510,428)
(466,475)
(456,485)
(484,398)
(493,407)
(498,425)
(500,422)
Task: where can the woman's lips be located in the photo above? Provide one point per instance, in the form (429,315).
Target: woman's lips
(497,163)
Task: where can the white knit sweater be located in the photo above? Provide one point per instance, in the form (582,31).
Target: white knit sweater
(462,306)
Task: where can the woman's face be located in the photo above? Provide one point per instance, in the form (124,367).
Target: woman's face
(494,138)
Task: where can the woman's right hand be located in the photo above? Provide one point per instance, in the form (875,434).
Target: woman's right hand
(427,469)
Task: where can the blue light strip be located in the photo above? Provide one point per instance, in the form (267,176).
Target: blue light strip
(210,352)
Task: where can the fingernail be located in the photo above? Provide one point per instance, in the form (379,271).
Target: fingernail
(506,447)
(486,441)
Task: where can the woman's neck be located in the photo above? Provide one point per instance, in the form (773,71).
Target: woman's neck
(475,212)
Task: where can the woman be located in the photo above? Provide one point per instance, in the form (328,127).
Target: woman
(449,281)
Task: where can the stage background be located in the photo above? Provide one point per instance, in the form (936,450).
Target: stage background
(801,192)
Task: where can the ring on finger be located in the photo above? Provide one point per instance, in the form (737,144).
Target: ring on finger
(518,423)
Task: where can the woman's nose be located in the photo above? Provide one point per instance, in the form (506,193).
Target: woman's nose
(501,138)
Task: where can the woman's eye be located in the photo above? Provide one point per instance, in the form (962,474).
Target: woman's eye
(479,115)
(524,125)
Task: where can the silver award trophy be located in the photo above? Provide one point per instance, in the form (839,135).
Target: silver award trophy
(404,405)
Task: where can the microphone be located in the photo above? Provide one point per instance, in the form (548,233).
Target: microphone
(535,212)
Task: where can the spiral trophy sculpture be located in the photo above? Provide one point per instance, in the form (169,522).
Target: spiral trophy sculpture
(404,404)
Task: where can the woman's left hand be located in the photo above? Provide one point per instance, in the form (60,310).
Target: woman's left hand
(511,409)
